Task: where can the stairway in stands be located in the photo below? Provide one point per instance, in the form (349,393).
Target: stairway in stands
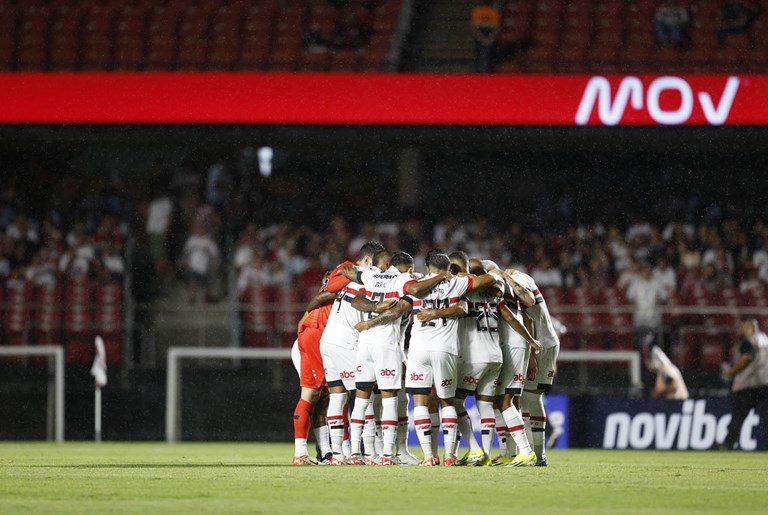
(443,39)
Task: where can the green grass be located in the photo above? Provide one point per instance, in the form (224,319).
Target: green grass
(254,478)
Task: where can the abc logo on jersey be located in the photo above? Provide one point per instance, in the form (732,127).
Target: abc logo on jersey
(387,372)
(470,380)
(446,382)
(518,378)
(417,377)
(346,374)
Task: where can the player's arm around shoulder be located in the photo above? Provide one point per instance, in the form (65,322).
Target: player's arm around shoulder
(422,287)
(362,303)
(519,328)
(396,312)
(522,292)
(458,310)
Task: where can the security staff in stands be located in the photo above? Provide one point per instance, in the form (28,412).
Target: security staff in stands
(750,380)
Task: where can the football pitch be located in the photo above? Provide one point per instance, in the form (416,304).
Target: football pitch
(255,478)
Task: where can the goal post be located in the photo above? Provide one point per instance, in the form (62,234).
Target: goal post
(176,354)
(57,405)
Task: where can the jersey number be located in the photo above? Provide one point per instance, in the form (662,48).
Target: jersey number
(434,304)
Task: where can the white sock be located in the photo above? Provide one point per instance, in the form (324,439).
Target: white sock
(389,424)
(402,422)
(300,447)
(434,419)
(369,431)
(465,425)
(335,416)
(525,411)
(449,422)
(322,437)
(487,424)
(356,423)
(503,432)
(423,425)
(378,436)
(516,428)
(538,424)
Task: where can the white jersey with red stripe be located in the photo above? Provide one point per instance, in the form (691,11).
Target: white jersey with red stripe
(479,330)
(441,334)
(507,335)
(380,286)
(340,328)
(538,313)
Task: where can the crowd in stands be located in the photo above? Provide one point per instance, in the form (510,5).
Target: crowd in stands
(85,240)
(678,256)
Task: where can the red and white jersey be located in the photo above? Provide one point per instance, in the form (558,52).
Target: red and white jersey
(538,313)
(441,334)
(340,329)
(380,286)
(507,335)
(479,330)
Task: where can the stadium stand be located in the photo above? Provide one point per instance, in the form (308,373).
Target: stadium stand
(202,35)
(604,36)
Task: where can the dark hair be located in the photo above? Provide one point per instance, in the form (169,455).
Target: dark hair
(370,249)
(439,261)
(459,256)
(380,256)
(434,251)
(400,258)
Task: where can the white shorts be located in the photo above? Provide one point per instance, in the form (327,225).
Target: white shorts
(427,368)
(481,378)
(379,363)
(546,369)
(512,376)
(296,356)
(339,365)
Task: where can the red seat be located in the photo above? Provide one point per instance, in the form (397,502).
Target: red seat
(257,321)
(17,320)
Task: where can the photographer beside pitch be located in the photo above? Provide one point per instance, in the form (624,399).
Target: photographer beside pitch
(750,380)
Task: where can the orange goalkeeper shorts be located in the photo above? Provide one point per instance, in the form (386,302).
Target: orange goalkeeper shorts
(312,373)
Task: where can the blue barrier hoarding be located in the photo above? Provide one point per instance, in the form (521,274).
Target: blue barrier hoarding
(694,424)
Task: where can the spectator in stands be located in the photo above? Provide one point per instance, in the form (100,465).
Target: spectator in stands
(200,261)
(672,21)
(750,282)
(253,274)
(665,275)
(159,215)
(246,247)
(486,20)
(76,260)
(646,295)
(735,18)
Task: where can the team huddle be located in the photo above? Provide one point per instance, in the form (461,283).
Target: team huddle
(378,331)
